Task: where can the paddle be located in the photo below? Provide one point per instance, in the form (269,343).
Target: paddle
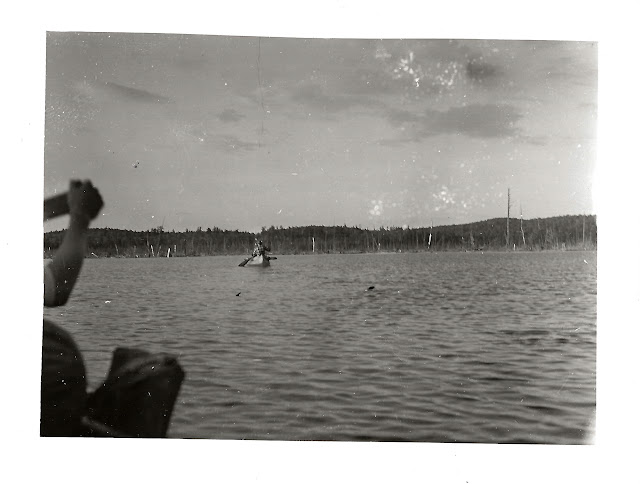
(244,262)
(55,206)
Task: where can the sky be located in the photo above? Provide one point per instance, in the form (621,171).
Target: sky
(244,132)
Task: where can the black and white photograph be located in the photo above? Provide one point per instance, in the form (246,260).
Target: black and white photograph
(288,240)
(336,239)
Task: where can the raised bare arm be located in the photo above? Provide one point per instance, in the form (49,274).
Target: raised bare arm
(61,274)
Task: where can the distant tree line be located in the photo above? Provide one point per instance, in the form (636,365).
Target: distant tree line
(569,232)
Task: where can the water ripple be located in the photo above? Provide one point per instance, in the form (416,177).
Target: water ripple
(451,347)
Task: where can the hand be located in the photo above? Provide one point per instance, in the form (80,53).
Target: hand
(84,200)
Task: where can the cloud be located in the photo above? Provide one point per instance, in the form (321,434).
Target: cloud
(70,109)
(572,70)
(422,68)
(393,142)
(399,116)
(232,143)
(474,120)
(313,95)
(135,94)
(230,115)
(480,71)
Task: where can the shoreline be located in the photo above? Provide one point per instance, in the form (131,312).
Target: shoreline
(397,252)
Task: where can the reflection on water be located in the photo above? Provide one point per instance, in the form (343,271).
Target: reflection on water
(446,347)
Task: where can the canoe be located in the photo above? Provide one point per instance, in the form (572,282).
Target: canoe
(258,261)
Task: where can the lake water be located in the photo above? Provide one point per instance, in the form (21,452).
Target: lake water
(447,347)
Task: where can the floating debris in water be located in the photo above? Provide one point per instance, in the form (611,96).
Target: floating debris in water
(371,288)
(107,302)
(239,293)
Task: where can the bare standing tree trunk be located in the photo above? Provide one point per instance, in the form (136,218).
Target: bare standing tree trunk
(508,213)
(524,242)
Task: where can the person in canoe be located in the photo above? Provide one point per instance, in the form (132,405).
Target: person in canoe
(260,249)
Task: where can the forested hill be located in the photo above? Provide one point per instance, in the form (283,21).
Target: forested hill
(576,232)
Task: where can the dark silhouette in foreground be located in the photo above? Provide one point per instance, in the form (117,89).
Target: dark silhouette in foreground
(138,395)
